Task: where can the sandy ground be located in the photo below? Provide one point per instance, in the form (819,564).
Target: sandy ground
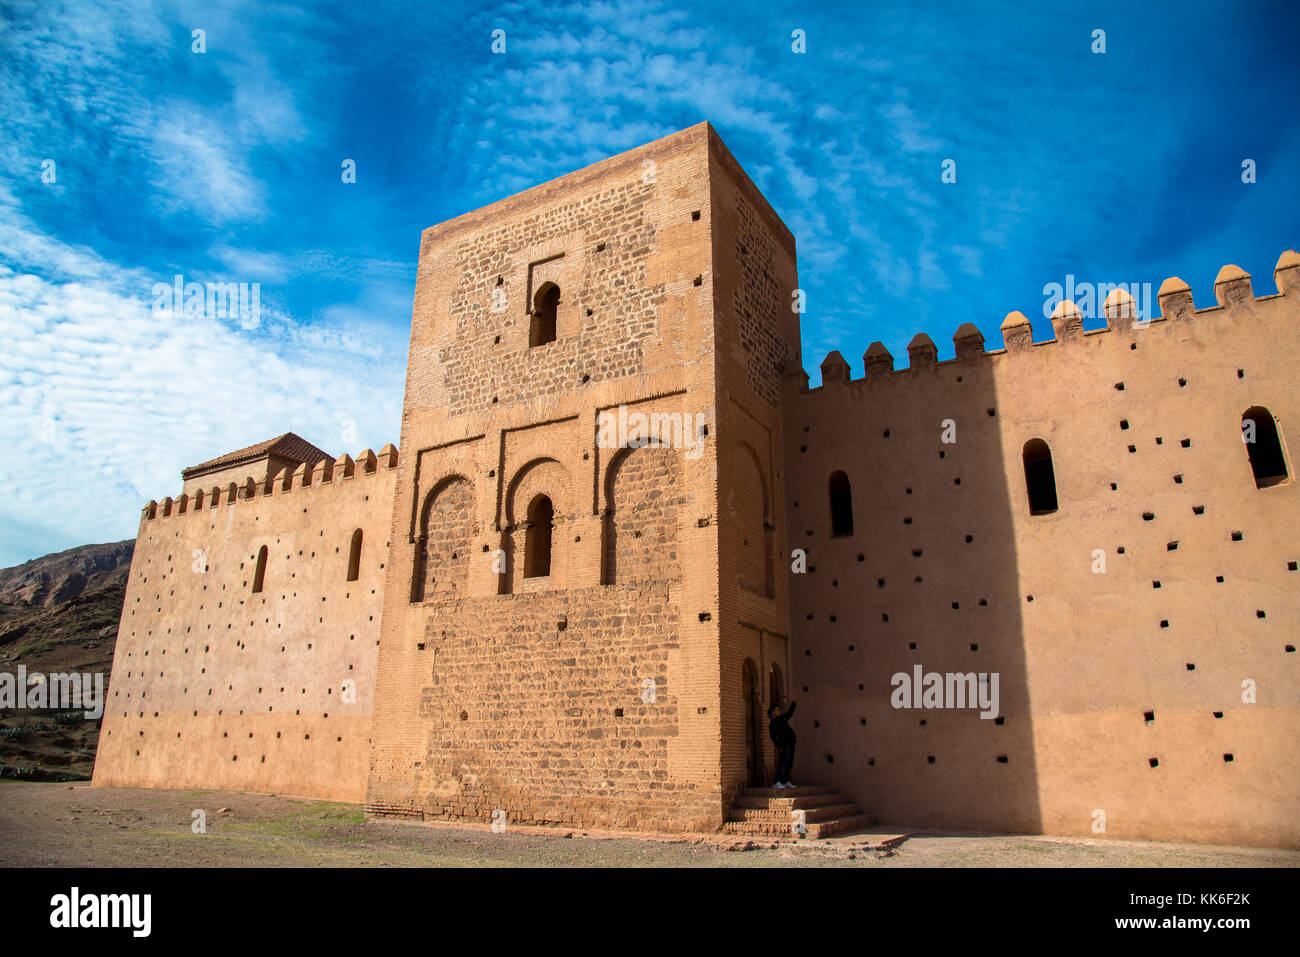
(49,824)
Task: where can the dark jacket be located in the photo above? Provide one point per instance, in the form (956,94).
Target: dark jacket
(779,728)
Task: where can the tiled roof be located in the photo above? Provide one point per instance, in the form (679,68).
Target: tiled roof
(287,446)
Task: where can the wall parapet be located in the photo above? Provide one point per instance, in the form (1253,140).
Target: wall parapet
(1232,292)
(280,482)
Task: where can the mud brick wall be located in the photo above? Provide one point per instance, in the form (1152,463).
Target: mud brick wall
(1121,690)
(641,525)
(217,686)
(758,299)
(553,727)
(446,529)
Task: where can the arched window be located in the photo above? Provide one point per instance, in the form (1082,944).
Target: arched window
(1040,479)
(1263,446)
(640,527)
(354,557)
(441,565)
(259,575)
(841,505)
(537,538)
(545,304)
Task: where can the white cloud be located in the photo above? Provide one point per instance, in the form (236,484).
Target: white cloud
(78,83)
(197,169)
(106,401)
(251,265)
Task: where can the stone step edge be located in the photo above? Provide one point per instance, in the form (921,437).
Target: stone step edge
(804,791)
(772,804)
(815,829)
(781,815)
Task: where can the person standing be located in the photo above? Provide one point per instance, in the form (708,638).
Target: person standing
(778,728)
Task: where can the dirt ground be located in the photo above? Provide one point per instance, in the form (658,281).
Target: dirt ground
(49,824)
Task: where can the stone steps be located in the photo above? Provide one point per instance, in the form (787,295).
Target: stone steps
(807,803)
(769,812)
(817,815)
(810,790)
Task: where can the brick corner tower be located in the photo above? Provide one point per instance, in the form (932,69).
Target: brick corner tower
(583,616)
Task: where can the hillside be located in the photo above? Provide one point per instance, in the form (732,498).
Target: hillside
(53,579)
(58,613)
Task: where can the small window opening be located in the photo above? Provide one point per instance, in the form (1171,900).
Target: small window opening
(537,538)
(545,305)
(354,557)
(259,576)
(1040,478)
(1263,446)
(841,496)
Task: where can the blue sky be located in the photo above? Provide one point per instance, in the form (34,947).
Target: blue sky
(1123,166)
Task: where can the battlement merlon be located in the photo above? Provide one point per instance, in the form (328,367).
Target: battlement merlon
(324,472)
(1232,291)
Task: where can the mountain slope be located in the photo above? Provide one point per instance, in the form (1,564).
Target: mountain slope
(53,579)
(59,613)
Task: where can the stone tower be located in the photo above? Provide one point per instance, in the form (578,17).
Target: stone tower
(582,612)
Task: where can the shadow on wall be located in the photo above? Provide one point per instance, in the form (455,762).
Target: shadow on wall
(912,578)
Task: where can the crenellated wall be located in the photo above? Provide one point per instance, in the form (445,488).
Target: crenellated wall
(1127,627)
(215,685)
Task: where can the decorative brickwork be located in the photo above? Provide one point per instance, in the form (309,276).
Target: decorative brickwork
(550,724)
(641,526)
(757,300)
(746,510)
(447,531)
(607,309)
